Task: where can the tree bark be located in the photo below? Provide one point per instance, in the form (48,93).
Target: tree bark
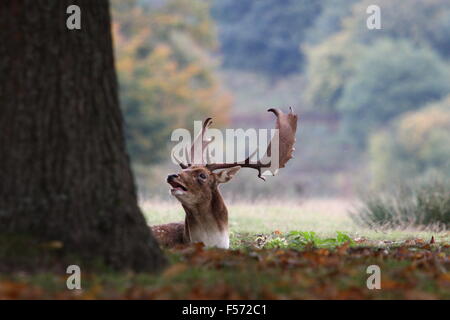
(64,172)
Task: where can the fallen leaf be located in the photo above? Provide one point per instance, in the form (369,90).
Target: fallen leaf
(174,270)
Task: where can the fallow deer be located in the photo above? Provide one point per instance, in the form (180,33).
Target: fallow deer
(196,187)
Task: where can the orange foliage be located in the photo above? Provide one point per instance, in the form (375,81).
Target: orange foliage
(165,70)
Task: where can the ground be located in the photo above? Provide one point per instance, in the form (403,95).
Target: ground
(323,216)
(309,250)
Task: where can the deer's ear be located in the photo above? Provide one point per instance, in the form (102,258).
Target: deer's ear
(226,174)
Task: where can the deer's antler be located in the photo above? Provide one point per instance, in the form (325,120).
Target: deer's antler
(198,148)
(200,144)
(287,126)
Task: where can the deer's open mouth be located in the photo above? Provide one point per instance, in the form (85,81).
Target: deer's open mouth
(177,186)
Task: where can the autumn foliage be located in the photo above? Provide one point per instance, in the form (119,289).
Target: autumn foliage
(166,72)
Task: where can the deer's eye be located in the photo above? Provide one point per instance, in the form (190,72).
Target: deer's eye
(202,176)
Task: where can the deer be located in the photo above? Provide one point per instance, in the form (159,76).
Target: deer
(196,187)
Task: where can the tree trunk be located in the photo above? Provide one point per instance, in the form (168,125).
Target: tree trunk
(64,172)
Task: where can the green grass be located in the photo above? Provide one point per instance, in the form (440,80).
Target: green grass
(323,216)
(310,250)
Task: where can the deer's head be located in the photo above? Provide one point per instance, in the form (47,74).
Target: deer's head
(197,182)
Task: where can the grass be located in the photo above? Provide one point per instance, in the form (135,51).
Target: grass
(309,250)
(323,216)
(408,272)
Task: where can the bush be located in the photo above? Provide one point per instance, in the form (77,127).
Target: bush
(421,204)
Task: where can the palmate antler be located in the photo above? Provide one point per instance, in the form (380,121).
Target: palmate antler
(287,127)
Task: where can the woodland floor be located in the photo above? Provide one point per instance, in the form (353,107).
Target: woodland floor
(307,263)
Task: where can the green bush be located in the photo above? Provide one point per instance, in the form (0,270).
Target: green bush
(422,204)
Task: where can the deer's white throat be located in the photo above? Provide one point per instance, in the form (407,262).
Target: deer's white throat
(210,235)
(211,238)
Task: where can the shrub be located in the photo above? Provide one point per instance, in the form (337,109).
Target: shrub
(421,204)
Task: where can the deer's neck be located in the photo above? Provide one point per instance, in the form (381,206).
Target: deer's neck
(208,222)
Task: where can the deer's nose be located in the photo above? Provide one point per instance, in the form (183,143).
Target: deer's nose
(171,177)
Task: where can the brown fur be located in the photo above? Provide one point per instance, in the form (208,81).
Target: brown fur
(202,203)
(170,235)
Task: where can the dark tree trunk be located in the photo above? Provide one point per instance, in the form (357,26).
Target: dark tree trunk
(64,172)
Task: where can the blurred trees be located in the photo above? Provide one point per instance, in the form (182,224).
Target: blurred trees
(166,74)
(330,20)
(374,79)
(370,77)
(331,64)
(425,23)
(354,82)
(415,144)
(391,78)
(264,36)
(365,78)
(369,85)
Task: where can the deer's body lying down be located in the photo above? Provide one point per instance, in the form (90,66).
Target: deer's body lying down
(196,187)
(171,234)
